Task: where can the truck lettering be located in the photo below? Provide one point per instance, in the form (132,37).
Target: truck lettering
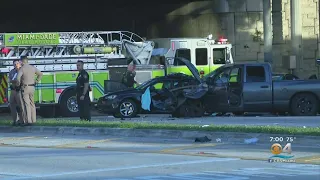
(22,37)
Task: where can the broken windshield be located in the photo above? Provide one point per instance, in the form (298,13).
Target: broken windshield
(144,85)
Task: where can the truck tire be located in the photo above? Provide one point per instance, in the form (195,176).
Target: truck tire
(68,104)
(127,109)
(189,109)
(304,104)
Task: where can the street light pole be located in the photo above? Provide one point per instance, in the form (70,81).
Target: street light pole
(267,31)
(296,30)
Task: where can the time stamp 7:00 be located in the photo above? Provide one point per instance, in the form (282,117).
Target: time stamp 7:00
(282,139)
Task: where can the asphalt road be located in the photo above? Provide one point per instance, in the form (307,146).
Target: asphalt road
(249,120)
(40,156)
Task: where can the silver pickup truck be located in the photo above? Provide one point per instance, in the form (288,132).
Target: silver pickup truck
(249,87)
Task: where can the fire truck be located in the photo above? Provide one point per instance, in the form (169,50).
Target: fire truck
(206,54)
(106,55)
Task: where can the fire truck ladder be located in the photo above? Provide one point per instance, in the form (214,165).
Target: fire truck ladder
(94,48)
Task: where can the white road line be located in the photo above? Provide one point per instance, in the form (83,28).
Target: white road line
(151,177)
(200,176)
(241,174)
(128,168)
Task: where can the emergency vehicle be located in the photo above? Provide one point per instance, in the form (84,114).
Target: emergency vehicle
(56,54)
(206,54)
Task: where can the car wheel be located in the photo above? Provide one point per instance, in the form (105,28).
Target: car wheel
(128,109)
(304,104)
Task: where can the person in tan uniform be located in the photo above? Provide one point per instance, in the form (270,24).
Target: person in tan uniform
(27,80)
(15,98)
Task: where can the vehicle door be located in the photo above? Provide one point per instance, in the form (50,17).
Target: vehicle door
(160,94)
(235,89)
(218,57)
(181,49)
(202,61)
(216,98)
(257,89)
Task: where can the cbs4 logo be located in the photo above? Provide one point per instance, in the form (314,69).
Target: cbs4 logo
(276,148)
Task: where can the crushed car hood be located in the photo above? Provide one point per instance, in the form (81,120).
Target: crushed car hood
(191,67)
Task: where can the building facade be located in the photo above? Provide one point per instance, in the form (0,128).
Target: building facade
(241,21)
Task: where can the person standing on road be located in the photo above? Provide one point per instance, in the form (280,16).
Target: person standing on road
(128,77)
(15,97)
(27,80)
(82,90)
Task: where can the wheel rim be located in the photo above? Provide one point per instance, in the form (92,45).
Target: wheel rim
(126,109)
(72,104)
(304,105)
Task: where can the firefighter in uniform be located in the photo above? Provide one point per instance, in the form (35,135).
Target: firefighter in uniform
(27,78)
(128,77)
(15,98)
(82,89)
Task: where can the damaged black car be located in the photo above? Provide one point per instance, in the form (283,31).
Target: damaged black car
(164,91)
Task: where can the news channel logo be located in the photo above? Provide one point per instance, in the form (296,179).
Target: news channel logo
(278,156)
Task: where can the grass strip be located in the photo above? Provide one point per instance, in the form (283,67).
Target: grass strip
(312,131)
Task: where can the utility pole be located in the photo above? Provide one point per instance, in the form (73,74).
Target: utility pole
(267,31)
(296,30)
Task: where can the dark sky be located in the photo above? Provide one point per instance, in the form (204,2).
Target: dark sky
(86,15)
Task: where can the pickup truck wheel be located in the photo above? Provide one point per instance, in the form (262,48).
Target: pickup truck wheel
(191,109)
(304,104)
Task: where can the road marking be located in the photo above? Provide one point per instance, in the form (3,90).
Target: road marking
(17,138)
(211,160)
(84,142)
(219,176)
(308,158)
(314,159)
(188,147)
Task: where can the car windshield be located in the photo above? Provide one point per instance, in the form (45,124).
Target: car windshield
(144,84)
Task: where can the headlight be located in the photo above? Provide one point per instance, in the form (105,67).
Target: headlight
(111,97)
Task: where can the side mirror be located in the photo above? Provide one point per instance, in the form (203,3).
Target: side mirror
(169,61)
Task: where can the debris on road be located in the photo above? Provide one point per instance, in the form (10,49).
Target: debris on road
(202,139)
(251,141)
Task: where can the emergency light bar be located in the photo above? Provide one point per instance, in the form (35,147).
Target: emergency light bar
(223,41)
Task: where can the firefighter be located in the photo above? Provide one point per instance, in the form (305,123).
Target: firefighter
(27,78)
(82,90)
(128,77)
(15,98)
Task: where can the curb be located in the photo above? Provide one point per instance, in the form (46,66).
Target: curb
(224,137)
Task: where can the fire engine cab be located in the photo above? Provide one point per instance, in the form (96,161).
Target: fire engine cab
(206,54)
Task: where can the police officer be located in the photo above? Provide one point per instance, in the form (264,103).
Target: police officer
(82,89)
(27,80)
(15,98)
(128,77)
